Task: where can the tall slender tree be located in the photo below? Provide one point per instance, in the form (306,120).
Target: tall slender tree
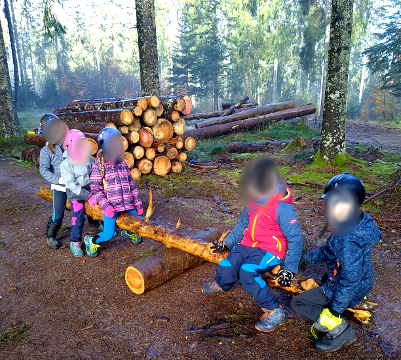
(333,127)
(8,116)
(147,44)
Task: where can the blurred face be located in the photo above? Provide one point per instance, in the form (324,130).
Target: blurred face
(55,131)
(260,181)
(79,151)
(341,209)
(114,149)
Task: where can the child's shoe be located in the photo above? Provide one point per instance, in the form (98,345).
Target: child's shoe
(91,248)
(211,288)
(76,248)
(270,319)
(130,235)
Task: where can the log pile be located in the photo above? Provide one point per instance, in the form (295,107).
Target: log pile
(152,129)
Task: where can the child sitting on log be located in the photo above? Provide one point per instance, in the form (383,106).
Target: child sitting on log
(114,188)
(347,254)
(267,234)
(75,170)
(51,156)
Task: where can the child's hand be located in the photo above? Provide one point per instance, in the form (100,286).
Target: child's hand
(285,277)
(140,211)
(109,212)
(92,201)
(219,247)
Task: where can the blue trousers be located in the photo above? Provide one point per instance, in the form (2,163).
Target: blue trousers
(249,264)
(109,226)
(78,220)
(59,199)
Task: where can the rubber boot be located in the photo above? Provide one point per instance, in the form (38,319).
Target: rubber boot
(52,230)
(334,339)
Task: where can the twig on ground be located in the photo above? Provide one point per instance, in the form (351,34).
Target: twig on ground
(206,167)
(299,197)
(383,191)
(221,206)
(306,183)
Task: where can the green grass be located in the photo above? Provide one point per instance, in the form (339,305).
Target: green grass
(13,335)
(205,149)
(29,119)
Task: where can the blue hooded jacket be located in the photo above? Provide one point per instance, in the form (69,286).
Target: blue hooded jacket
(349,264)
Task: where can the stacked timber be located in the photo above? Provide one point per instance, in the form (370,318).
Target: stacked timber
(151,129)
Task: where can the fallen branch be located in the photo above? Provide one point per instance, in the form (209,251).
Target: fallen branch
(205,167)
(383,191)
(306,183)
(221,206)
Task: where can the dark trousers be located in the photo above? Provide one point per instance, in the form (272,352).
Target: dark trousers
(249,264)
(59,200)
(310,303)
(78,220)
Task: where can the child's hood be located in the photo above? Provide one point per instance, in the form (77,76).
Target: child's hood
(367,231)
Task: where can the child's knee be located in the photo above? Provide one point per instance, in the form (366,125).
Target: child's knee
(295,302)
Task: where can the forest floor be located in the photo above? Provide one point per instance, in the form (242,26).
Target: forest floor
(53,305)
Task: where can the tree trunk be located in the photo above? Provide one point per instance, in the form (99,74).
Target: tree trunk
(159,110)
(182,156)
(232,108)
(31,154)
(172,115)
(248,124)
(177,142)
(362,86)
(117,116)
(21,68)
(93,128)
(35,139)
(333,126)
(123,129)
(275,77)
(301,44)
(266,146)
(136,125)
(171,239)
(8,115)
(203,115)
(226,105)
(147,45)
(252,112)
(13,51)
(171,153)
(325,57)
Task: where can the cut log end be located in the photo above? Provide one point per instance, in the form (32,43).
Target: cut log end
(159,110)
(125,143)
(126,117)
(136,173)
(132,137)
(138,152)
(94,145)
(123,129)
(129,159)
(149,117)
(143,103)
(171,153)
(161,165)
(176,167)
(111,124)
(189,143)
(135,280)
(179,127)
(138,111)
(136,125)
(150,153)
(163,130)
(145,166)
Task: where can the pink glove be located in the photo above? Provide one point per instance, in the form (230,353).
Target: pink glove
(109,212)
(140,211)
(77,206)
(92,201)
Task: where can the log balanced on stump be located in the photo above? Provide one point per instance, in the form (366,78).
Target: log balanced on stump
(170,238)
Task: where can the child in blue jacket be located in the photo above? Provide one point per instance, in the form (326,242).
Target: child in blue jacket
(267,234)
(347,254)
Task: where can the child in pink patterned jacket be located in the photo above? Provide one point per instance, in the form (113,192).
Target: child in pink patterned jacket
(114,188)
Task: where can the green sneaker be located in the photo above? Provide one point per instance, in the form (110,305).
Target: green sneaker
(91,248)
(76,248)
(130,235)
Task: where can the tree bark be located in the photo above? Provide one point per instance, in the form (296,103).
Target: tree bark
(93,128)
(275,77)
(172,239)
(232,108)
(362,83)
(253,112)
(246,104)
(301,44)
(117,116)
(333,126)
(35,139)
(266,146)
(325,55)
(7,14)
(248,124)
(8,116)
(147,45)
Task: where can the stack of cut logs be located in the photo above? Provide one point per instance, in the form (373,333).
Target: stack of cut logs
(243,116)
(152,129)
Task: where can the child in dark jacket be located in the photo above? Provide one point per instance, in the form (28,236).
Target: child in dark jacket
(114,188)
(347,254)
(51,156)
(267,234)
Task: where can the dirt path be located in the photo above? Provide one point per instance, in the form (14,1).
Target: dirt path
(384,136)
(82,309)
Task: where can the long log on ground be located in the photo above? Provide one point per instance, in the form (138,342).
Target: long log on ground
(35,139)
(212,114)
(246,104)
(232,108)
(248,124)
(92,128)
(164,265)
(172,239)
(117,116)
(266,146)
(250,113)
